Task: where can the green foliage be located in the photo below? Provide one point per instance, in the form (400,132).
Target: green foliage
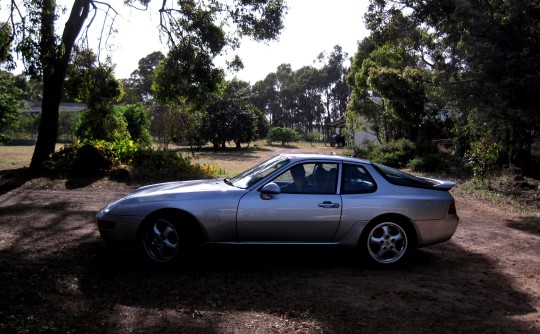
(314,136)
(430,162)
(231,117)
(396,153)
(483,157)
(138,88)
(97,86)
(27,127)
(353,124)
(150,164)
(10,105)
(67,124)
(307,98)
(487,81)
(139,163)
(138,123)
(187,74)
(283,135)
(110,126)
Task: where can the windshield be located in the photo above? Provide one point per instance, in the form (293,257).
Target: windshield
(402,179)
(255,174)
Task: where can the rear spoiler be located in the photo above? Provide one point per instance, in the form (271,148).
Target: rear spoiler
(441,184)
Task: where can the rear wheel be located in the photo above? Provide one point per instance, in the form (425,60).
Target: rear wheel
(385,243)
(161,241)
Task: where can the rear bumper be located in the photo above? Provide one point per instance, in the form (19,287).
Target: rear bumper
(436,231)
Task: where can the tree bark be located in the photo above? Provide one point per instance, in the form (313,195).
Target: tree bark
(55,60)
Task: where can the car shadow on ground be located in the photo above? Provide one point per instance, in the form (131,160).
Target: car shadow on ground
(92,287)
(59,276)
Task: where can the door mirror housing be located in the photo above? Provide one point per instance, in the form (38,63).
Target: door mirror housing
(269,189)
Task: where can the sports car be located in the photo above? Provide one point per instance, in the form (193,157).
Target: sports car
(290,199)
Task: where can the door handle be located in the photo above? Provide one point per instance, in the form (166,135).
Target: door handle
(328,205)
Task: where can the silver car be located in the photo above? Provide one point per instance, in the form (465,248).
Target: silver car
(290,199)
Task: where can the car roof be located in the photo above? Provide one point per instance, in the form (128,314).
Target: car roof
(335,157)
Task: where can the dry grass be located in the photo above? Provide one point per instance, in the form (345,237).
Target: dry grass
(15,157)
(231,161)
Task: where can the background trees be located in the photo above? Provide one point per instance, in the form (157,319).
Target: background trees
(193,30)
(10,105)
(477,61)
(305,99)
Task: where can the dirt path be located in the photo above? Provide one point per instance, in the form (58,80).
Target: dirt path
(58,277)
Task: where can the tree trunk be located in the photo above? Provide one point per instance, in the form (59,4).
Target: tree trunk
(54,61)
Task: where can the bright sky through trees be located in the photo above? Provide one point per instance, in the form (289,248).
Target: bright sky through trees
(311,27)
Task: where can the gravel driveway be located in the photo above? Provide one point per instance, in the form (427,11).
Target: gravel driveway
(58,277)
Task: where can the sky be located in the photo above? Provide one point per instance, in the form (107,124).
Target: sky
(310,27)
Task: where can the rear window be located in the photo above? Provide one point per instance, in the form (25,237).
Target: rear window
(400,178)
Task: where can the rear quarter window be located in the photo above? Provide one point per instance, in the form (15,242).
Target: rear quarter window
(400,178)
(356,180)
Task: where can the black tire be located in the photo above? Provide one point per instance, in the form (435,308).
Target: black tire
(161,241)
(385,243)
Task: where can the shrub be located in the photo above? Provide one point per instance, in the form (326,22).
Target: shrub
(394,153)
(81,160)
(123,160)
(138,123)
(428,163)
(283,135)
(314,136)
(150,164)
(483,157)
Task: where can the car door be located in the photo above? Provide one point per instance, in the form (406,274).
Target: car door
(305,213)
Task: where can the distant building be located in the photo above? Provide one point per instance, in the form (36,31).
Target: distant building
(34,107)
(335,136)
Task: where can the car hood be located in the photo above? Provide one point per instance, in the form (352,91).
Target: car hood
(206,190)
(195,186)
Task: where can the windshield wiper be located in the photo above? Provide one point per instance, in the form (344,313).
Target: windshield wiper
(227,181)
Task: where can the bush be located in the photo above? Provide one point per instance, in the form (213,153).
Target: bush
(123,160)
(483,157)
(314,136)
(150,164)
(429,163)
(396,153)
(80,160)
(283,135)
(138,123)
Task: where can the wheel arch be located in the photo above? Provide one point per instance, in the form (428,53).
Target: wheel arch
(183,219)
(405,222)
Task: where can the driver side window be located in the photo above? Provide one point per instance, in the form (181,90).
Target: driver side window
(309,178)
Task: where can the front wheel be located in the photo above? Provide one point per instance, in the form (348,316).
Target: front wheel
(161,241)
(385,243)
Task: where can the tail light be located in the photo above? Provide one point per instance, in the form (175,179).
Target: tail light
(452,208)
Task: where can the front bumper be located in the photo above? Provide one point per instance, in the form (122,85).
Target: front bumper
(121,230)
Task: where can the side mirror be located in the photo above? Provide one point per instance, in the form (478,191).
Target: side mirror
(269,189)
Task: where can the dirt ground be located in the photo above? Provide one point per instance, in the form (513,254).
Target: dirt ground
(57,276)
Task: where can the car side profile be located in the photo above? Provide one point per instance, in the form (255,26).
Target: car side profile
(290,199)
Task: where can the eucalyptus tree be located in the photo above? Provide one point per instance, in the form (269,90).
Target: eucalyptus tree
(138,87)
(485,57)
(334,90)
(188,25)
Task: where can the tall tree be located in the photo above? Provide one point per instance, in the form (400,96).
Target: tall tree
(485,55)
(335,92)
(140,81)
(196,23)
